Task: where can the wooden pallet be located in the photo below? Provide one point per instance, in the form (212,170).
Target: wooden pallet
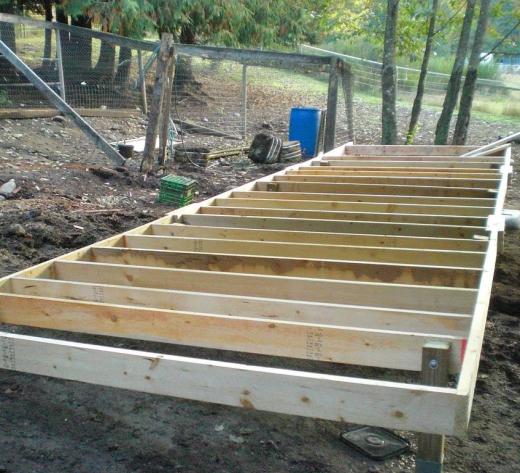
(375,256)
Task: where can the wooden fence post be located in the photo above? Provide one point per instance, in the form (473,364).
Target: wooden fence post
(165,109)
(166,51)
(332,105)
(435,369)
(244,101)
(346,82)
(142,81)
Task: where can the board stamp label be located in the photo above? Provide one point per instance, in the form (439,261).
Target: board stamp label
(314,343)
(7,354)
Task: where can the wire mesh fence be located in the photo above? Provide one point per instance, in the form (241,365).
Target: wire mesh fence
(218,94)
(491,96)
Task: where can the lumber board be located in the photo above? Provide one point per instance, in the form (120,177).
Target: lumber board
(416,164)
(294,267)
(335,226)
(284,184)
(22,113)
(374,207)
(366,198)
(324,238)
(393,405)
(291,212)
(472,259)
(394,180)
(397,172)
(256,307)
(395,296)
(378,348)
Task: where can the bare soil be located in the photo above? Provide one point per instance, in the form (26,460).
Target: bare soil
(50,425)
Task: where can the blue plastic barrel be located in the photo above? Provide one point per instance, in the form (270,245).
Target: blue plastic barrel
(304,126)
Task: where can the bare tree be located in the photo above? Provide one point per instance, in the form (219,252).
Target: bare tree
(417,103)
(452,93)
(389,76)
(468,91)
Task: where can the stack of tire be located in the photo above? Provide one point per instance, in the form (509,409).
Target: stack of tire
(269,149)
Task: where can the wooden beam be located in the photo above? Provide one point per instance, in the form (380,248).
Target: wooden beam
(387,199)
(271,309)
(291,212)
(257,201)
(394,296)
(332,105)
(378,348)
(335,226)
(293,267)
(394,180)
(321,238)
(392,405)
(417,164)
(302,250)
(284,184)
(22,113)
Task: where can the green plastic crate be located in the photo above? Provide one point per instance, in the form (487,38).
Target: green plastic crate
(177,190)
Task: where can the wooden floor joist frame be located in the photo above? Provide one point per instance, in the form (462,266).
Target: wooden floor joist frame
(361,256)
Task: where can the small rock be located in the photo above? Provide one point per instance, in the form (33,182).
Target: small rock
(7,189)
(374,469)
(219,428)
(17,230)
(236,439)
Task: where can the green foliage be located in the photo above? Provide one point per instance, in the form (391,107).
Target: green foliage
(4,99)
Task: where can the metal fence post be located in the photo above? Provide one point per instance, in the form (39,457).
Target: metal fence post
(59,57)
(332,105)
(244,101)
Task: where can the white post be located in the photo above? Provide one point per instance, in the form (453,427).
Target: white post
(59,57)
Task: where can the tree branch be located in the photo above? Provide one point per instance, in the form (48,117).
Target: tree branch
(497,45)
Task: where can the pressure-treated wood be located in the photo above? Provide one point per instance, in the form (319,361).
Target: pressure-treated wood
(367,256)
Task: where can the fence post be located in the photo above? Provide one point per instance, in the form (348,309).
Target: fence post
(435,369)
(59,57)
(142,81)
(332,105)
(165,109)
(346,82)
(166,51)
(244,101)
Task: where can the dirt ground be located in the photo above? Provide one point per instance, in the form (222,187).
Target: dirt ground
(49,425)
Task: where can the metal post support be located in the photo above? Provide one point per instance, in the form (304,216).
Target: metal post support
(435,369)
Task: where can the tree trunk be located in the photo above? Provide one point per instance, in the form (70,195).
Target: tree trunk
(388,76)
(417,103)
(105,67)
(450,100)
(123,67)
(468,90)
(47,48)
(7,34)
(78,58)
